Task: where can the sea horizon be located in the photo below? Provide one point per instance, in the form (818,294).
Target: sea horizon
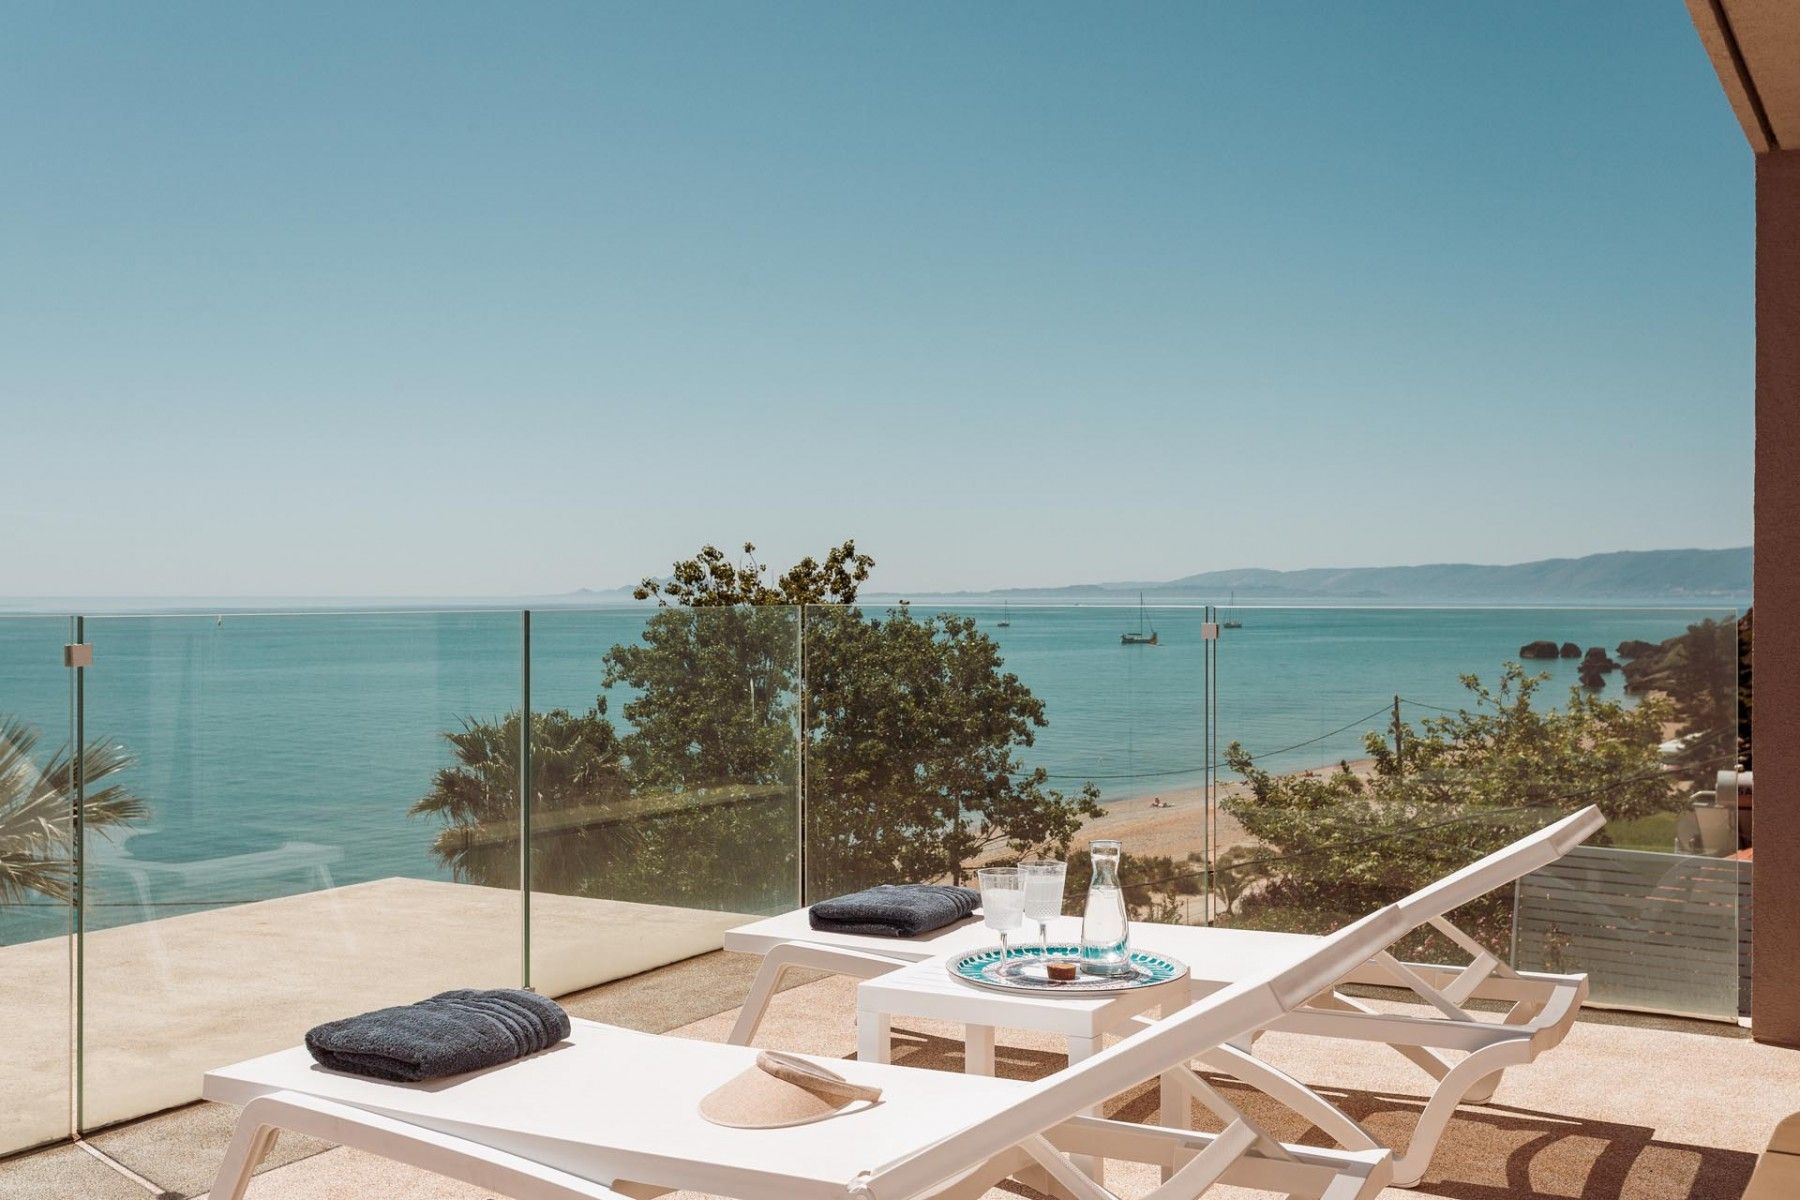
(254,730)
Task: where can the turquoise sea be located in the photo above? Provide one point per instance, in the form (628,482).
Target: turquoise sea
(254,733)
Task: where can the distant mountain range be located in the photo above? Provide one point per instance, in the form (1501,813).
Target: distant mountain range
(1669,575)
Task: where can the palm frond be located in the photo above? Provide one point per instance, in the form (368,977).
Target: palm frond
(37,810)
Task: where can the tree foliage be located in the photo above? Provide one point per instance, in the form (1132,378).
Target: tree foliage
(37,805)
(1334,847)
(901,730)
(912,729)
(711,580)
(1705,673)
(575,770)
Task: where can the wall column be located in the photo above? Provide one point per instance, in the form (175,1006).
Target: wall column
(1775,994)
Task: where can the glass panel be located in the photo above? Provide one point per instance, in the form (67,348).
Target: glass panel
(1370,751)
(1652,912)
(665,797)
(36,881)
(940,740)
(294,865)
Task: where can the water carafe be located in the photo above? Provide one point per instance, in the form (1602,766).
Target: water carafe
(1105,939)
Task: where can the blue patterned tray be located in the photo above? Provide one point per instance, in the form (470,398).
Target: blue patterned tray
(1023,971)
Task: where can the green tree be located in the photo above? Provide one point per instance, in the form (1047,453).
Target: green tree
(1704,673)
(576,783)
(37,805)
(1236,871)
(1336,846)
(910,728)
(911,725)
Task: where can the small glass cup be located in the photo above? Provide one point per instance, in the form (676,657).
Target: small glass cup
(1044,896)
(1002,902)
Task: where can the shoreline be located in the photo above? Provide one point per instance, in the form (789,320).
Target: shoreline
(1174,829)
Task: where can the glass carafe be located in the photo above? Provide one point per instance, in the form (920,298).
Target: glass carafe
(1105,938)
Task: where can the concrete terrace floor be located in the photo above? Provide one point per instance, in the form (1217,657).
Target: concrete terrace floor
(1625,1109)
(169,999)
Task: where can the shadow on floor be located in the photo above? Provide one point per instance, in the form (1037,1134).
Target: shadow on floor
(1490,1152)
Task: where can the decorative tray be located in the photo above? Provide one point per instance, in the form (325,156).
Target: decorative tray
(1023,971)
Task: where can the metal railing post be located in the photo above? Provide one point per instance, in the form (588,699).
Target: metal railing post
(525,798)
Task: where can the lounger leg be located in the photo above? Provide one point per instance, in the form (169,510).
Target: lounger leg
(1472,1071)
(978,1049)
(857,964)
(1484,1089)
(874,1037)
(1081,1049)
(1174,1109)
(249,1146)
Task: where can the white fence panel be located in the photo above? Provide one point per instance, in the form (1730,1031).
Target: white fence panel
(1658,932)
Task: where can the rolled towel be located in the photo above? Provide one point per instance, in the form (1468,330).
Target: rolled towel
(449,1034)
(895,909)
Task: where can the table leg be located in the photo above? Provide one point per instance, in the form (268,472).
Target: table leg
(1081,1048)
(874,1037)
(978,1049)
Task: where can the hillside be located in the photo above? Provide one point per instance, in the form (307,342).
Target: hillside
(1623,575)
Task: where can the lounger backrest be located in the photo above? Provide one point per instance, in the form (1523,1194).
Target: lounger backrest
(1506,865)
(1228,1013)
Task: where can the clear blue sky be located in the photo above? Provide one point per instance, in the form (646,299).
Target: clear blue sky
(484,299)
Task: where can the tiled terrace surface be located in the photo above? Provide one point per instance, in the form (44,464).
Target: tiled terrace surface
(170,998)
(1628,1109)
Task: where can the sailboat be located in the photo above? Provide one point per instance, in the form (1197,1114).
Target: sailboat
(1140,638)
(1233,624)
(1005,621)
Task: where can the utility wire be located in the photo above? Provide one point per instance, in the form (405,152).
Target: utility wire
(1455,712)
(1348,725)
(1254,757)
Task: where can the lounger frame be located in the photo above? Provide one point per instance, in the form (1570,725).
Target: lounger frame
(1540,1007)
(481,1128)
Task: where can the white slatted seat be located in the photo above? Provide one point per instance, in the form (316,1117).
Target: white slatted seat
(613,1113)
(1540,1007)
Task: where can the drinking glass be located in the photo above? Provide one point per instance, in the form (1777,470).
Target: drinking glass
(1043,895)
(1002,902)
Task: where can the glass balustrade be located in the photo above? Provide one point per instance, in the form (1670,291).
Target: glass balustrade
(296,816)
(664,802)
(1370,751)
(37,878)
(294,862)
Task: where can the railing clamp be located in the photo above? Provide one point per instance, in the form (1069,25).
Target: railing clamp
(78,654)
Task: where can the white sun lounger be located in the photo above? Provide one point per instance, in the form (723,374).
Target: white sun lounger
(1540,1007)
(613,1114)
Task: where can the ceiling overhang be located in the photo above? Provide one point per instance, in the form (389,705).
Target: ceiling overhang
(1755,47)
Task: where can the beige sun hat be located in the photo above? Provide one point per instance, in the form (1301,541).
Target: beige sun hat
(782,1090)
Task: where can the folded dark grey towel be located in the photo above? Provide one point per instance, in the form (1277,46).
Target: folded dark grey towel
(448,1034)
(895,909)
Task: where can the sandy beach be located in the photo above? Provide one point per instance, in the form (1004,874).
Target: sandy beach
(1171,822)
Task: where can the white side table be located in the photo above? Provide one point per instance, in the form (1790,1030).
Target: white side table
(927,990)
